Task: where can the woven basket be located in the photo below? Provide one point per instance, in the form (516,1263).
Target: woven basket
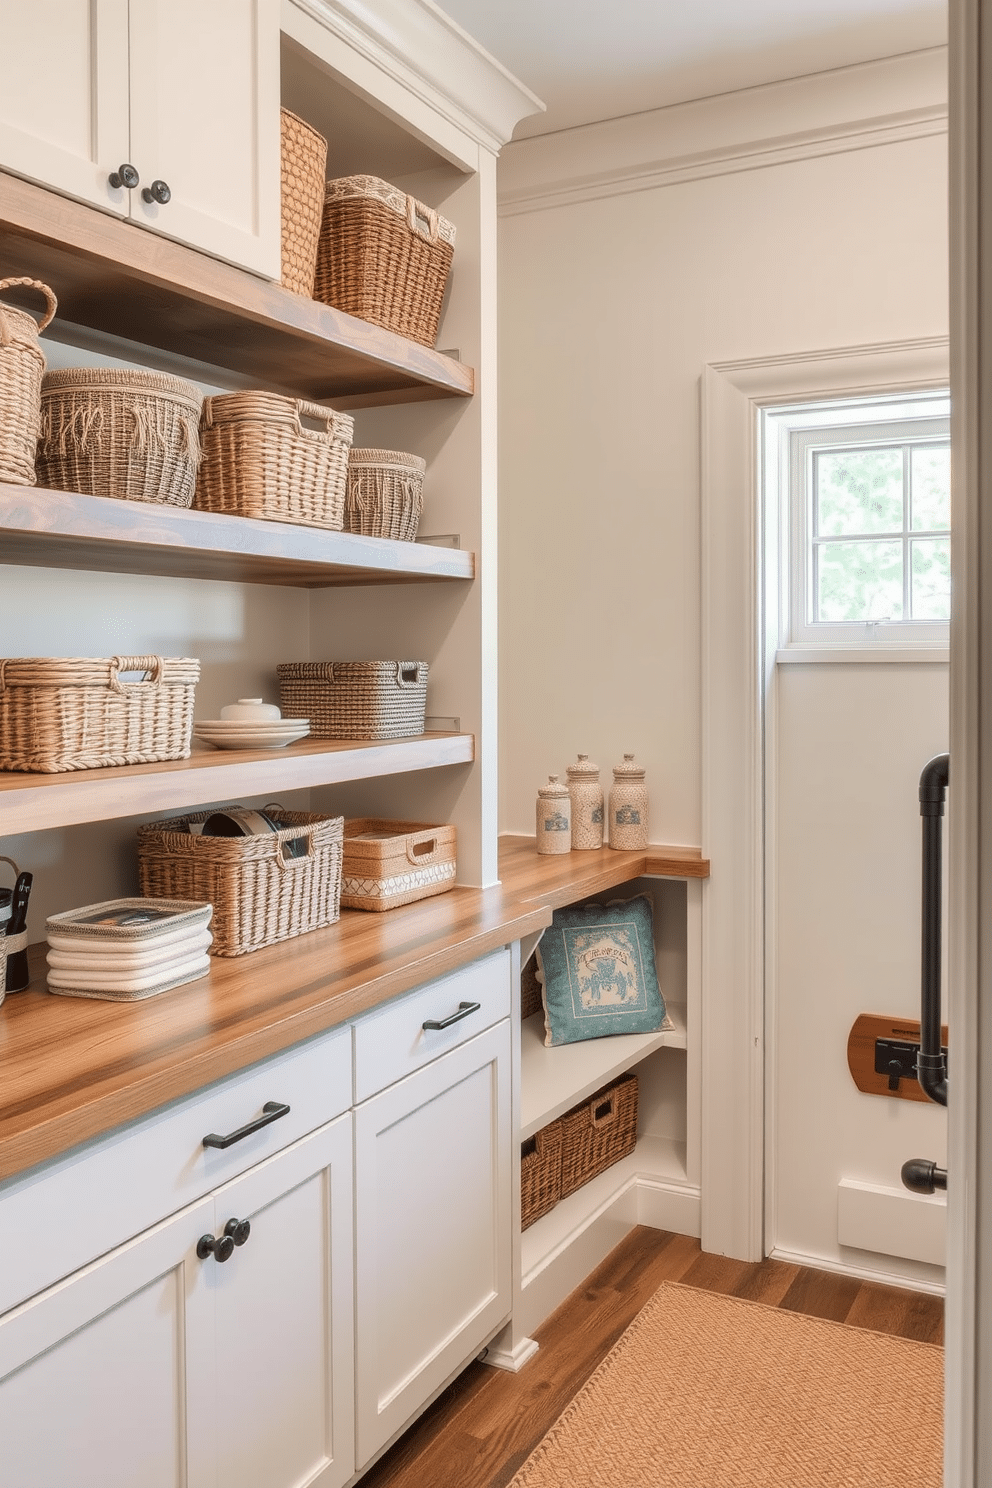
(385,493)
(75,713)
(531,998)
(389,863)
(276,458)
(260,896)
(540,1173)
(304,161)
(598,1133)
(22,364)
(355,699)
(383,256)
(115,432)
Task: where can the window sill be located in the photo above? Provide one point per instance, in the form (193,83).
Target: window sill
(878,655)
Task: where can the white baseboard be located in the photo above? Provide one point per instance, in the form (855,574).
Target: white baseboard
(861,1272)
(512,1360)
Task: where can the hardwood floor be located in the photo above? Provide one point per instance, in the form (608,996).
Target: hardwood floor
(485,1425)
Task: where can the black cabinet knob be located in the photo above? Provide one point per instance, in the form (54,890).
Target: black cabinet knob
(125,175)
(158,191)
(221,1248)
(238,1230)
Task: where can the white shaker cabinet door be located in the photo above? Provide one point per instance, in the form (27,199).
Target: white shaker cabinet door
(64,95)
(205,121)
(432,1206)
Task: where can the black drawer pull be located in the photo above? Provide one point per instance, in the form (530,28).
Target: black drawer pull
(464,1011)
(272,1110)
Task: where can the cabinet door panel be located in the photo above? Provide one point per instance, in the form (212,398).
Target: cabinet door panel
(205,119)
(432,1229)
(64,98)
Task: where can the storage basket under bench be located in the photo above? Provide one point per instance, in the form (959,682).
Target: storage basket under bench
(572,1150)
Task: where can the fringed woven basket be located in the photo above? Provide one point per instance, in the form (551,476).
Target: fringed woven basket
(383,256)
(385,493)
(389,863)
(598,1133)
(261,892)
(355,699)
(540,1173)
(116,432)
(276,458)
(22,363)
(79,713)
(304,162)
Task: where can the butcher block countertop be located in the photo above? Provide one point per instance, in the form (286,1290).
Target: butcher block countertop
(72,1068)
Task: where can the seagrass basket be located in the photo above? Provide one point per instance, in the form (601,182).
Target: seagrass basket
(304,161)
(279,459)
(598,1133)
(108,431)
(22,363)
(389,863)
(383,256)
(262,890)
(80,713)
(385,493)
(355,699)
(540,1173)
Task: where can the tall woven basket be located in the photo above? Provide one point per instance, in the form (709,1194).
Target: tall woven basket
(383,256)
(304,167)
(107,431)
(22,363)
(355,699)
(385,493)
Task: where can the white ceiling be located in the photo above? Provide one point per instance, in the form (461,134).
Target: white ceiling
(600,59)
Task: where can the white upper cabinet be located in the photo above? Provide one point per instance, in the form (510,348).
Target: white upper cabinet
(187,93)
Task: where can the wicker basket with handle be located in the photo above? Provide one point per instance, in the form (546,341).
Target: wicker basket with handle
(385,493)
(355,699)
(540,1173)
(598,1133)
(80,713)
(109,431)
(389,863)
(383,256)
(22,364)
(304,161)
(280,459)
(262,890)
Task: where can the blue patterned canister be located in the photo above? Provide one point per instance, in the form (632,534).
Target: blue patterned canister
(554,817)
(628,807)
(587,803)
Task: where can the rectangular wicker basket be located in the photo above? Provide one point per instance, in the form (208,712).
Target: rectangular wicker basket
(278,459)
(389,863)
(598,1133)
(355,699)
(261,894)
(76,713)
(540,1173)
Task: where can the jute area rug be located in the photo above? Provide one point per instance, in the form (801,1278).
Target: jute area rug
(708,1391)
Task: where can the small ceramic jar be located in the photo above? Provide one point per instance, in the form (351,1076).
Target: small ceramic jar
(628,807)
(586,795)
(250,710)
(554,817)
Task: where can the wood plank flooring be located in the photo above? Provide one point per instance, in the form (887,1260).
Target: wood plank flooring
(485,1425)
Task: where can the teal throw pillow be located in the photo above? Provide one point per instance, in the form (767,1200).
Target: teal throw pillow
(597,966)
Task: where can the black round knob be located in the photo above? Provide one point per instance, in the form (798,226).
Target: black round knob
(125,175)
(238,1230)
(158,191)
(221,1249)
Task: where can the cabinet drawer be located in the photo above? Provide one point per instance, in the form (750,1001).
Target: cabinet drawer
(61,1216)
(393,1041)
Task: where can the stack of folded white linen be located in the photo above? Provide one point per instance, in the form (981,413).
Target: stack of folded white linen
(126,949)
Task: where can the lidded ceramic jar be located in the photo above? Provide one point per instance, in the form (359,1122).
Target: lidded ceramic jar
(586,795)
(250,710)
(554,817)
(628,807)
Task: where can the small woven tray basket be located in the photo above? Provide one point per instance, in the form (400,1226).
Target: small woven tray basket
(598,1133)
(22,363)
(385,493)
(540,1173)
(278,459)
(259,894)
(383,256)
(110,431)
(389,863)
(304,162)
(75,713)
(355,699)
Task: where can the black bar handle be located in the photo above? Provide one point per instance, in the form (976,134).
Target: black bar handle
(271,1111)
(465,1010)
(930,1064)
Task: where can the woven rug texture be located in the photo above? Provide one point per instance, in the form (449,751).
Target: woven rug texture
(709,1391)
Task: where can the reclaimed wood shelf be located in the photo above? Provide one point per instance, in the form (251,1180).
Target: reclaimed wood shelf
(33,802)
(122,281)
(63,529)
(558,879)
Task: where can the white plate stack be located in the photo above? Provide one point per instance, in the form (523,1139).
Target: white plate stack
(251,724)
(127,949)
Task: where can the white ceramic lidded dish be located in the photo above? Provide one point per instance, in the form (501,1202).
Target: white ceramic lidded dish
(251,723)
(250,710)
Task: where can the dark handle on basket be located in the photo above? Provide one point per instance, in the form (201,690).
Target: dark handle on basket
(158,191)
(125,175)
(465,1010)
(272,1110)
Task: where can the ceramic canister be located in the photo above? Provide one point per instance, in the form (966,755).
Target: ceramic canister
(587,803)
(554,817)
(628,807)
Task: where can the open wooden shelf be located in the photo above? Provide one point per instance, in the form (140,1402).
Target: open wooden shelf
(118,279)
(30,803)
(62,529)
